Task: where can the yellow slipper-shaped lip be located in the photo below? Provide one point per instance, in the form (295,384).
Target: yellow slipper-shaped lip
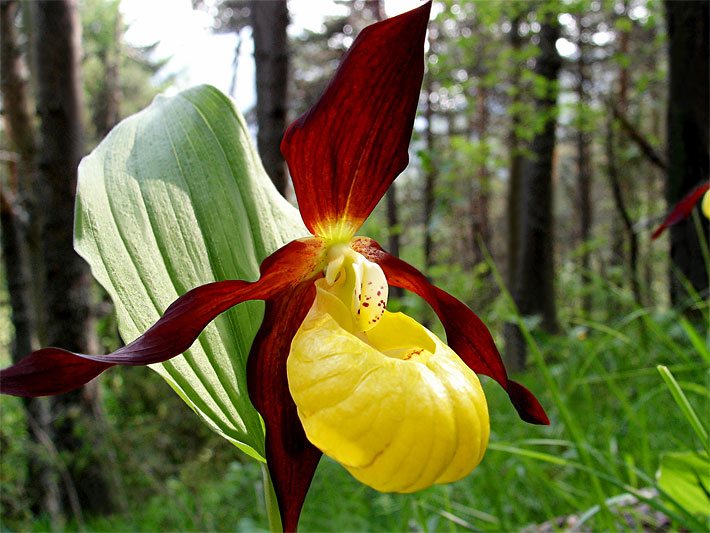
(394,404)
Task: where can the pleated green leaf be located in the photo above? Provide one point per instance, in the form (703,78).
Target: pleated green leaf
(173,198)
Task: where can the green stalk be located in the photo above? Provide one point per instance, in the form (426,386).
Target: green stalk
(685,407)
(272,504)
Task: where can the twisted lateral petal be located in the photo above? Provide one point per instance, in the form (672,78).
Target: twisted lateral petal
(465,332)
(682,209)
(54,371)
(291,458)
(345,151)
(395,406)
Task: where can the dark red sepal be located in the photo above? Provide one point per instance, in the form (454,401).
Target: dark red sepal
(466,334)
(54,371)
(346,151)
(682,209)
(291,458)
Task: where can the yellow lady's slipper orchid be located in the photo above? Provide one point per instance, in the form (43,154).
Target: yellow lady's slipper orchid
(383,396)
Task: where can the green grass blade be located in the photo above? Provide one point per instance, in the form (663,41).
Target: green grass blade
(685,407)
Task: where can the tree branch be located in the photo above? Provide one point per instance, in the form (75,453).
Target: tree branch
(635,135)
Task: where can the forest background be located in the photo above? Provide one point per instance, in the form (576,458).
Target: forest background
(552,138)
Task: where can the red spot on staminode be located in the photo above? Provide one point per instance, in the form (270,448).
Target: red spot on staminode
(365,304)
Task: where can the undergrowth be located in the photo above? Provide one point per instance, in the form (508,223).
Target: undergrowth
(612,418)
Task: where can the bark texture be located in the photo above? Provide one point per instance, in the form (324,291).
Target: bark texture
(516,159)
(79,426)
(688,137)
(584,169)
(534,289)
(623,211)
(429,179)
(269,22)
(479,199)
(17,222)
(108,107)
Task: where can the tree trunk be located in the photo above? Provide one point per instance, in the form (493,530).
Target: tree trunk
(108,108)
(628,224)
(584,169)
(269,23)
(514,207)
(534,291)
(16,224)
(429,179)
(80,432)
(618,225)
(622,210)
(516,160)
(480,190)
(688,137)
(618,181)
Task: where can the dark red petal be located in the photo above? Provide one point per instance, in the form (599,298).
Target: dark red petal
(291,458)
(466,334)
(682,209)
(54,371)
(347,150)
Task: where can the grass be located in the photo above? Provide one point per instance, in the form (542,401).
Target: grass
(613,416)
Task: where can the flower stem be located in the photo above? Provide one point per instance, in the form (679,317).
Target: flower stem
(272,504)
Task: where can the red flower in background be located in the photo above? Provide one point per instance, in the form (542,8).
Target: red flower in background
(343,154)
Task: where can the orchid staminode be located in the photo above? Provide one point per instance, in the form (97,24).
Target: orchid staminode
(331,370)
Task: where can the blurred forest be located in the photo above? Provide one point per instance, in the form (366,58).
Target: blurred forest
(552,138)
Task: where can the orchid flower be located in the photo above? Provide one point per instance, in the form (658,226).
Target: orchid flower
(684,207)
(331,370)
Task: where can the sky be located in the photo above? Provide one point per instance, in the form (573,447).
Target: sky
(198,56)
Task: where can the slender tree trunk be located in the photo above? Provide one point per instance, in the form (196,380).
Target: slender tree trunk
(269,22)
(17,223)
(108,109)
(622,210)
(480,190)
(429,179)
(80,429)
(43,490)
(516,160)
(618,226)
(534,292)
(514,204)
(618,181)
(584,169)
(688,137)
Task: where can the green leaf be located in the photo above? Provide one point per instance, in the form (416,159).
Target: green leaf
(685,476)
(173,198)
